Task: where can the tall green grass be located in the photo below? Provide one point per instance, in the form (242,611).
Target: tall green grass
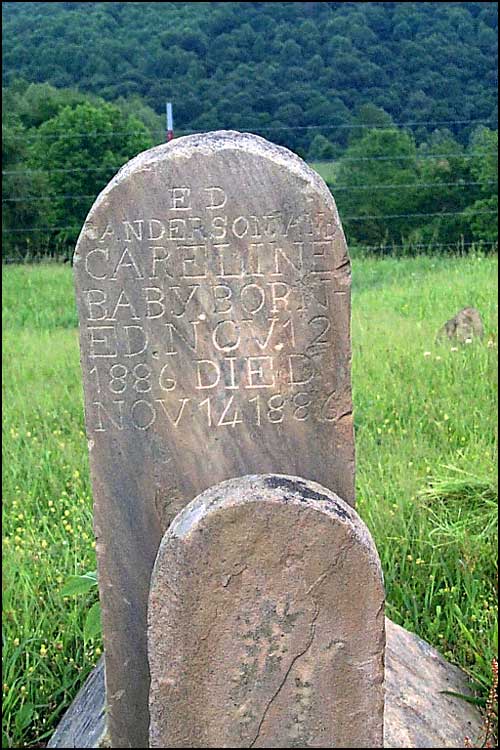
(327,169)
(425,420)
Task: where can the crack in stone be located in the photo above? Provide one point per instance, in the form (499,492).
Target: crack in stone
(320,579)
(230,576)
(171,589)
(344,550)
(381,609)
(283,681)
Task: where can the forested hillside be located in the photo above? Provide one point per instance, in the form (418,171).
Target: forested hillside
(267,64)
(395,104)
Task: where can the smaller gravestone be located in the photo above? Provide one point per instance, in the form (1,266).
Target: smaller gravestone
(465,326)
(266,621)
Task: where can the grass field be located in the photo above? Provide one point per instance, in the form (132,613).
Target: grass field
(327,169)
(425,418)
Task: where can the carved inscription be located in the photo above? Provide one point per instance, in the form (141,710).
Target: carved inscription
(206,315)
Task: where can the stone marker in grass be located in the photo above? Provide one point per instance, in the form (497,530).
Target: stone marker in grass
(465,326)
(213,291)
(424,706)
(266,621)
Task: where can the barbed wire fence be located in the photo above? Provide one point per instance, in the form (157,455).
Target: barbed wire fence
(108,170)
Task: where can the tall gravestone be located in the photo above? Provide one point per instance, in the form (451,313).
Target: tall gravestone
(213,291)
(266,621)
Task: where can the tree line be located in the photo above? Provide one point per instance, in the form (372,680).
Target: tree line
(61,147)
(276,68)
(394,103)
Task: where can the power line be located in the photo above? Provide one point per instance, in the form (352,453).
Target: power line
(409,185)
(386,126)
(63,171)
(458,245)
(416,157)
(35,199)
(419,245)
(346,126)
(88,134)
(336,188)
(344,218)
(412,216)
(36,229)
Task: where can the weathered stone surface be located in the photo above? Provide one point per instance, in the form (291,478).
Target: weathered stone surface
(417,713)
(419,710)
(266,621)
(84,723)
(466,324)
(213,290)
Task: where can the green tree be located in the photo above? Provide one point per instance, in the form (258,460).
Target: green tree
(376,181)
(445,190)
(23,204)
(368,116)
(134,106)
(483,213)
(420,62)
(321,148)
(79,150)
(41,102)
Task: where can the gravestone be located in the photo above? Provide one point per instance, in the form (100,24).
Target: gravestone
(423,701)
(465,326)
(213,292)
(266,621)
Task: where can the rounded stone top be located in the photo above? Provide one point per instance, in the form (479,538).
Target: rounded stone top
(216,143)
(272,488)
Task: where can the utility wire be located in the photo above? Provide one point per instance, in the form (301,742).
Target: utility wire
(346,126)
(386,126)
(415,245)
(416,157)
(480,244)
(412,216)
(336,188)
(409,185)
(344,218)
(63,171)
(35,199)
(410,157)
